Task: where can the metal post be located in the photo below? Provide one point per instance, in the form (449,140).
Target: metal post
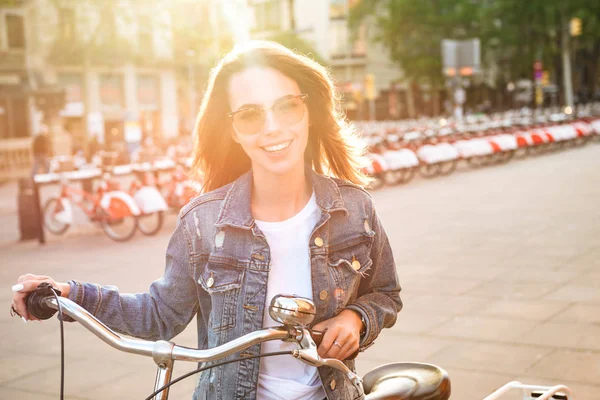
(40,214)
(566,60)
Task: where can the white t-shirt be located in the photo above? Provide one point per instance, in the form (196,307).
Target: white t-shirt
(284,377)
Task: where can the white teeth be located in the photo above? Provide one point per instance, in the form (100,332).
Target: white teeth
(278,147)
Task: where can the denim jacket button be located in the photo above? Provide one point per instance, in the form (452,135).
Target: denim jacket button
(319,241)
(210,281)
(356,265)
(323,295)
(332,384)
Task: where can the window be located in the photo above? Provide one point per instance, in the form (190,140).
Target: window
(15,29)
(111,92)
(67,19)
(148,92)
(338,38)
(72,83)
(267,15)
(145,38)
(359,47)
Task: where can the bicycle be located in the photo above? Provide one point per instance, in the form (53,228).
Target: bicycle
(403,381)
(150,201)
(115,210)
(178,190)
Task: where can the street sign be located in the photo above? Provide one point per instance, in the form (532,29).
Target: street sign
(463,56)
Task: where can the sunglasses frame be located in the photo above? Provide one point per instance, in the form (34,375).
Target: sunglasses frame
(302,96)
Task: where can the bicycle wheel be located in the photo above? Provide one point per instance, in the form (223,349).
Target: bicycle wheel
(150,224)
(119,229)
(429,170)
(51,208)
(448,167)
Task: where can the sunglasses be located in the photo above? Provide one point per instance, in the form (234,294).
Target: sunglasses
(286,111)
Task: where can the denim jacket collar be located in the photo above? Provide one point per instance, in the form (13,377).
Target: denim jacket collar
(235,209)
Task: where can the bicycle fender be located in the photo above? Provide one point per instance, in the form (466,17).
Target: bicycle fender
(105,202)
(65,216)
(149,200)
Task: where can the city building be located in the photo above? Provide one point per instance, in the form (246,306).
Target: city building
(113,61)
(371,84)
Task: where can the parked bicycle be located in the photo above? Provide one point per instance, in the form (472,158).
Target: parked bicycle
(178,189)
(150,201)
(115,210)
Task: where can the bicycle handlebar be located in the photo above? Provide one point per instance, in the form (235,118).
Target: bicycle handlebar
(163,352)
(149,348)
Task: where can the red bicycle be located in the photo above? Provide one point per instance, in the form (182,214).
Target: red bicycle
(115,210)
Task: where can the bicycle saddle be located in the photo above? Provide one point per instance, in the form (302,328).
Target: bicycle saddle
(407,381)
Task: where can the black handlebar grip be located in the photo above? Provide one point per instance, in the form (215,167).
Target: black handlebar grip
(36,304)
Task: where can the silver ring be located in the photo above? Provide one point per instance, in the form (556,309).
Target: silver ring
(335,342)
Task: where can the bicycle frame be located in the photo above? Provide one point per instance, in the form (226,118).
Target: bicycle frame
(71,193)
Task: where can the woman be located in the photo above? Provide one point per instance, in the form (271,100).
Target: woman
(267,130)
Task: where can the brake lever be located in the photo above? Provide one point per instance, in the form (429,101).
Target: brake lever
(308,354)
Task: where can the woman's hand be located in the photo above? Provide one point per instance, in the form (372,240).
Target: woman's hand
(28,283)
(342,337)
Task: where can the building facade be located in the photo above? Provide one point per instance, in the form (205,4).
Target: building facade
(371,84)
(114,63)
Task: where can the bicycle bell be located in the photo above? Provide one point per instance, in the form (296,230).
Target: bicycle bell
(292,310)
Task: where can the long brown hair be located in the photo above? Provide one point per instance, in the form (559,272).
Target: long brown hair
(333,147)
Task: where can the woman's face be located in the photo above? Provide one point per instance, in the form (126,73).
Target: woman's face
(275,139)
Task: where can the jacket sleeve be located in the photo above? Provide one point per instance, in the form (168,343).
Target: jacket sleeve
(161,313)
(378,298)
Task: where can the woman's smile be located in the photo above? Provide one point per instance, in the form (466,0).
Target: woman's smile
(277,148)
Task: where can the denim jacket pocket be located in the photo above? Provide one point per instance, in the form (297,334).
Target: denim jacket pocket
(222,282)
(349,262)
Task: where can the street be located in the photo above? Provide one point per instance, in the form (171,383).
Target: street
(500,269)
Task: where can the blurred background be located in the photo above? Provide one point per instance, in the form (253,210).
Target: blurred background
(122,69)
(489,108)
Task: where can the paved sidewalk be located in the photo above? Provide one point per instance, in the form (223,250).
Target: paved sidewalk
(500,269)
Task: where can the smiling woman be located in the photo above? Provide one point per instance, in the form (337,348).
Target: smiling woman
(284,212)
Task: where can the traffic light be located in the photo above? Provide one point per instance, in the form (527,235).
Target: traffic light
(575,26)
(545,78)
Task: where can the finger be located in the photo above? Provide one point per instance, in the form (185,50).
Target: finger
(349,348)
(334,350)
(327,341)
(340,339)
(31,285)
(31,277)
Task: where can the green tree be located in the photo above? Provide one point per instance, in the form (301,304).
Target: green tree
(514,34)
(412,31)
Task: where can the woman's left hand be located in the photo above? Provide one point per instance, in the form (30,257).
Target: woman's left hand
(342,337)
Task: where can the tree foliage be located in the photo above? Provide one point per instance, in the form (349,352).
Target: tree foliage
(514,33)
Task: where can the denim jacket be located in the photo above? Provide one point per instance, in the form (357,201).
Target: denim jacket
(217,266)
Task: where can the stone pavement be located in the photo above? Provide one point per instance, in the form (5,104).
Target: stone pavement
(500,269)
